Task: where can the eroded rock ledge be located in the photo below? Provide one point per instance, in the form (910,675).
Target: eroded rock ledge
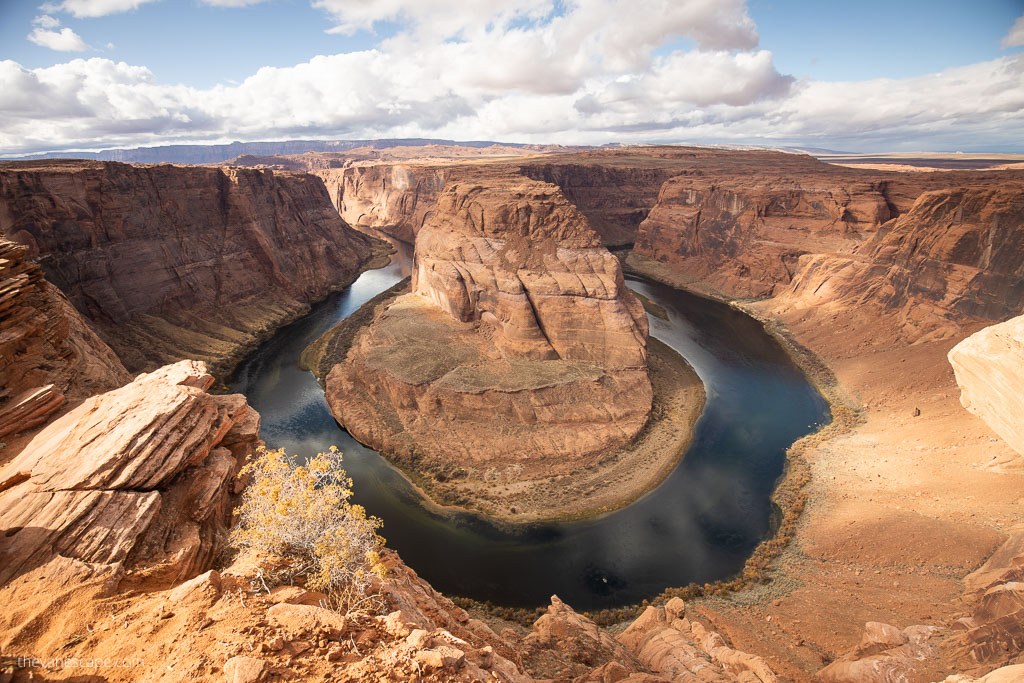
(519,345)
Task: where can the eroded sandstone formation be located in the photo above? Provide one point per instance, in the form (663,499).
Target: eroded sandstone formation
(47,353)
(614,193)
(393,198)
(519,344)
(989,367)
(953,258)
(172,262)
(141,473)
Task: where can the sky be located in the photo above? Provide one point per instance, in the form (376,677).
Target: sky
(870,76)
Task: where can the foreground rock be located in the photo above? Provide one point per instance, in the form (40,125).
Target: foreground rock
(141,478)
(519,345)
(989,367)
(180,262)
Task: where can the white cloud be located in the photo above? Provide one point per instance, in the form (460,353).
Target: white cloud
(436,18)
(589,73)
(46,21)
(1016,35)
(232,3)
(93,8)
(64,40)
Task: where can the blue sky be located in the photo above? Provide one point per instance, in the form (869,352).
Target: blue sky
(101,73)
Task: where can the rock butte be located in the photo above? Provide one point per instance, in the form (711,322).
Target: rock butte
(518,345)
(108,503)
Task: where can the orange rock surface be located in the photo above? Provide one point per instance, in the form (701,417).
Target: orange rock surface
(519,345)
(169,262)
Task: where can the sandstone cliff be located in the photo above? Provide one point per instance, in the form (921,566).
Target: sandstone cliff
(953,258)
(614,194)
(393,198)
(519,345)
(169,262)
(989,367)
(47,353)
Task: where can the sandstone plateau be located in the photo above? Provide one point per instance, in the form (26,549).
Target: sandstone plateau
(908,560)
(170,262)
(519,344)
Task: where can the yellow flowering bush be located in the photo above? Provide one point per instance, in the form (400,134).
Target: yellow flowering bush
(303,514)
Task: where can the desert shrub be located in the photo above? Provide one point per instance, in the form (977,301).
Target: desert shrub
(303,515)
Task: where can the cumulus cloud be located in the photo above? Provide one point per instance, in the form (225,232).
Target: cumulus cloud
(1016,35)
(232,3)
(93,8)
(46,21)
(64,40)
(518,70)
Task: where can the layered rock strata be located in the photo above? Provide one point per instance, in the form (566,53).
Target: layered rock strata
(953,259)
(615,195)
(519,344)
(141,476)
(393,198)
(169,262)
(47,353)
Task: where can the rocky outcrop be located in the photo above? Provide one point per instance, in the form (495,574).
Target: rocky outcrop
(520,344)
(393,198)
(667,643)
(47,353)
(171,262)
(953,258)
(885,653)
(745,235)
(138,477)
(989,367)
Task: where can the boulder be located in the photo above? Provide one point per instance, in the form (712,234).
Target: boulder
(989,368)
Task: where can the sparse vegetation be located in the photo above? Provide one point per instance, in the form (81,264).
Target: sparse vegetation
(303,515)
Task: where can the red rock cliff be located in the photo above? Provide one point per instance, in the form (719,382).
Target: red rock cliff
(954,258)
(395,199)
(170,262)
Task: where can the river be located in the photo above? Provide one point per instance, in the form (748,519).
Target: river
(698,526)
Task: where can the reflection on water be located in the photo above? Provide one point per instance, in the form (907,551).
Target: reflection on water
(700,525)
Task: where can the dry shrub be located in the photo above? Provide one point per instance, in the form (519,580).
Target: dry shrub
(303,515)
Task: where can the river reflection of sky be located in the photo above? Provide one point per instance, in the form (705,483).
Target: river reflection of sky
(698,526)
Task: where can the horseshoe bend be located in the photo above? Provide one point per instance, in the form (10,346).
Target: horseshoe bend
(524,341)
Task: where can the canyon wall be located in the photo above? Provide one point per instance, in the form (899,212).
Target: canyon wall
(933,249)
(393,198)
(956,257)
(48,354)
(615,197)
(170,262)
(519,343)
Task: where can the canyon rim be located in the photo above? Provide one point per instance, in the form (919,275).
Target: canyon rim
(664,341)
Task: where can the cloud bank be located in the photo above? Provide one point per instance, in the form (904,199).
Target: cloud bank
(583,71)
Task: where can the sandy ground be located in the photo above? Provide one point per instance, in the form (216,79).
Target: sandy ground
(900,509)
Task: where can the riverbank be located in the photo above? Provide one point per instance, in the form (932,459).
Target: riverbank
(616,480)
(897,509)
